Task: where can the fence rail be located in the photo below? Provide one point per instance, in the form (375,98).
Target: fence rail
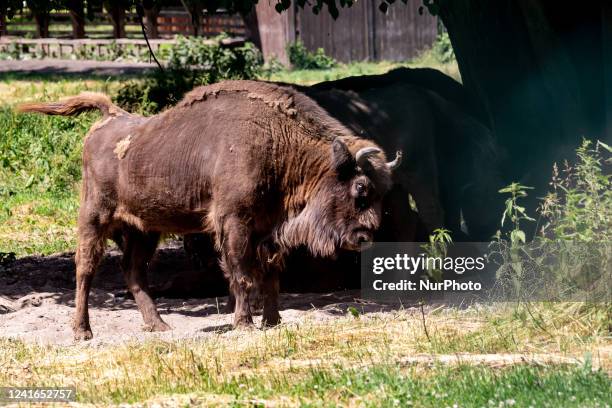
(170,22)
(62,48)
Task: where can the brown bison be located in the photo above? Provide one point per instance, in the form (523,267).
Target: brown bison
(259,166)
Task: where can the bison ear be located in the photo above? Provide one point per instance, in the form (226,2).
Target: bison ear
(342,159)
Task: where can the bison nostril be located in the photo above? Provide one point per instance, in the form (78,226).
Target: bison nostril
(361,238)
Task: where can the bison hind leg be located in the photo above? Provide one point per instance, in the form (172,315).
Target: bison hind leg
(138,249)
(89,252)
(239,263)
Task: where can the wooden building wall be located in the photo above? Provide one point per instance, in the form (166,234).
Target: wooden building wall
(361,32)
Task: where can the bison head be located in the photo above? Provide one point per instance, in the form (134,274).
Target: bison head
(345,209)
(356,189)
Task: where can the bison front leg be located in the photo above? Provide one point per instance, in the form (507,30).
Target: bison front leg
(138,249)
(271,316)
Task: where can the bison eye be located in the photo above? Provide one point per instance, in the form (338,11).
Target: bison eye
(361,189)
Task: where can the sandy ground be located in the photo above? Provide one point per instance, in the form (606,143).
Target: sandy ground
(37,302)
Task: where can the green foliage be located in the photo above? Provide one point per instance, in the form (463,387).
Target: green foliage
(514,212)
(301,58)
(443,49)
(580,205)
(212,57)
(437,247)
(191,62)
(572,254)
(40,153)
(273,66)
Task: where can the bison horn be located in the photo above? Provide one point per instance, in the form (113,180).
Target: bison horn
(362,154)
(392,165)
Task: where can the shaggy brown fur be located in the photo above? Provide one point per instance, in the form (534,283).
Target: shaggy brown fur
(259,166)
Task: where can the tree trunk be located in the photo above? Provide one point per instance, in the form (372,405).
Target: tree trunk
(77,17)
(2,24)
(607,64)
(252,28)
(537,74)
(194,8)
(150,21)
(117,15)
(42,24)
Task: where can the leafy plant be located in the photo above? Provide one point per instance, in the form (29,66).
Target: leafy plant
(272,67)
(580,205)
(437,247)
(572,254)
(514,212)
(191,62)
(301,58)
(443,49)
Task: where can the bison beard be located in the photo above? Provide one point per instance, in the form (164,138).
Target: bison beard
(259,166)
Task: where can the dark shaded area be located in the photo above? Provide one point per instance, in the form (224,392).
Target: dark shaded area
(169,275)
(426,78)
(541,70)
(173,275)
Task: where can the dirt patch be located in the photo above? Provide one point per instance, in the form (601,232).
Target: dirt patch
(37,300)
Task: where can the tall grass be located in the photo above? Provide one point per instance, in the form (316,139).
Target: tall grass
(376,360)
(40,153)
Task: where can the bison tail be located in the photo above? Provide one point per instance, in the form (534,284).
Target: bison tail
(86,101)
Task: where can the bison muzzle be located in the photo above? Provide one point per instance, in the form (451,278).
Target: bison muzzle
(259,166)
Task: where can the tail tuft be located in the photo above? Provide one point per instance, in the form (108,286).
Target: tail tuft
(86,101)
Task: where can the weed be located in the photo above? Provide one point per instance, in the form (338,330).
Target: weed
(301,58)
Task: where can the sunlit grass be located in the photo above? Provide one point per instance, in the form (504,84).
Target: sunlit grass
(21,88)
(372,360)
(38,223)
(309,77)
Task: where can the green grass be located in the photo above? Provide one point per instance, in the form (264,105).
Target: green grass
(392,386)
(40,167)
(40,164)
(370,361)
(38,223)
(309,77)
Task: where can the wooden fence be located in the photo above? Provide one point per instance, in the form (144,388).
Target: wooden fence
(171,21)
(361,32)
(91,48)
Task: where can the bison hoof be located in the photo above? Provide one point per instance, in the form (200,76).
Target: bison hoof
(83,334)
(159,326)
(272,320)
(244,323)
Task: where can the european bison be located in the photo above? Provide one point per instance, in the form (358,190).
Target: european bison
(259,166)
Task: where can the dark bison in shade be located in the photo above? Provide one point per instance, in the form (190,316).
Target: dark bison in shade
(450,155)
(259,166)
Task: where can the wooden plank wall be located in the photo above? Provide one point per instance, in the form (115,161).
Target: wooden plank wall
(361,32)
